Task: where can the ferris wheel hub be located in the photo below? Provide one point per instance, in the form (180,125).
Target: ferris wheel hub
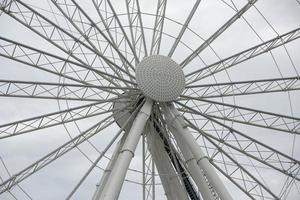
(160,78)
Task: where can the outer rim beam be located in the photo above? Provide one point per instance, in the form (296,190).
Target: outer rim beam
(217,33)
(243,56)
(244,87)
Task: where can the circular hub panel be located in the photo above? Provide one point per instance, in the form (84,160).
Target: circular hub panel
(160,78)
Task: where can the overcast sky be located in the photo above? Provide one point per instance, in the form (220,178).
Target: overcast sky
(58,179)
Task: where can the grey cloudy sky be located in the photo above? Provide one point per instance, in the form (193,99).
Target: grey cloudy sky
(58,179)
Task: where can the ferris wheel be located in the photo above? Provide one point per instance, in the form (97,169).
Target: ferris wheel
(137,99)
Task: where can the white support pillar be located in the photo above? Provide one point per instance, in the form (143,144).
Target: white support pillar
(191,162)
(174,190)
(179,124)
(114,184)
(108,169)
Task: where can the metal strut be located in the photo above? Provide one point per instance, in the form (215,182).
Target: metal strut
(114,184)
(202,160)
(176,162)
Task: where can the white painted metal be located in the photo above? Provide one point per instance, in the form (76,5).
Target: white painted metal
(107,171)
(113,186)
(202,160)
(85,44)
(174,190)
(191,162)
(160,78)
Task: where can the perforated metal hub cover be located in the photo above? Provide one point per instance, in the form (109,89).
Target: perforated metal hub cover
(160,78)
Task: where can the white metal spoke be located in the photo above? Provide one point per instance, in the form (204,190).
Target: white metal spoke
(184,27)
(106,11)
(56,118)
(217,33)
(88,29)
(54,64)
(254,149)
(56,35)
(135,19)
(94,164)
(231,168)
(43,90)
(244,87)
(243,56)
(243,115)
(168,99)
(103,153)
(158,26)
(60,151)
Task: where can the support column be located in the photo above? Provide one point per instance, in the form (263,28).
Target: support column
(174,190)
(108,169)
(191,162)
(177,122)
(114,184)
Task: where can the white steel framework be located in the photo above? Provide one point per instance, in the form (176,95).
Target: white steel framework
(176,100)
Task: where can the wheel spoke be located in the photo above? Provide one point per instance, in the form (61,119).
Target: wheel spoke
(114,23)
(233,170)
(57,118)
(182,122)
(244,87)
(103,152)
(243,56)
(135,20)
(252,148)
(217,33)
(46,90)
(55,64)
(89,30)
(184,27)
(58,36)
(60,151)
(158,26)
(245,115)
